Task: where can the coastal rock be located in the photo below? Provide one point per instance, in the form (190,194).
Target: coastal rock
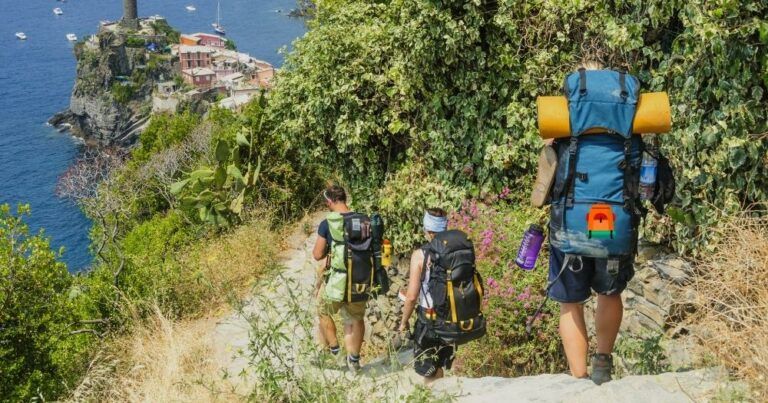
(106,63)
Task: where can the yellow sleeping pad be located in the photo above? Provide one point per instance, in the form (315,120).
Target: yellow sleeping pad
(653,115)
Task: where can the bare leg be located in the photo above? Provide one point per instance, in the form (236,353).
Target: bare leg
(607,321)
(573,331)
(429,379)
(328,331)
(354,332)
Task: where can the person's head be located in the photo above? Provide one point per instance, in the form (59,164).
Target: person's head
(335,196)
(435,220)
(590,65)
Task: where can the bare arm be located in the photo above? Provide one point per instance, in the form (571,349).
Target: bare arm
(414,287)
(319,251)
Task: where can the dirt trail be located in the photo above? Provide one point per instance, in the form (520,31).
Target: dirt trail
(384,381)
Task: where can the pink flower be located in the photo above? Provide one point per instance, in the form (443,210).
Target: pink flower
(492,282)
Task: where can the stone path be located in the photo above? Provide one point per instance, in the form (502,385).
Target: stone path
(384,381)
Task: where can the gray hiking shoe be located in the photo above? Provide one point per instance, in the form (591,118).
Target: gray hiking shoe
(602,366)
(353,364)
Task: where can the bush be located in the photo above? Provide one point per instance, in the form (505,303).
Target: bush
(134,42)
(42,348)
(450,86)
(511,295)
(122,93)
(731,304)
(162,132)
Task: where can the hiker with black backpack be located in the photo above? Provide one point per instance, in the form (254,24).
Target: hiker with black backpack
(445,284)
(350,246)
(596,209)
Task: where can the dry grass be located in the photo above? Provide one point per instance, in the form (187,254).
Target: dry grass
(160,361)
(732,301)
(166,359)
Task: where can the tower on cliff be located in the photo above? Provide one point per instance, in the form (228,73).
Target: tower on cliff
(130,14)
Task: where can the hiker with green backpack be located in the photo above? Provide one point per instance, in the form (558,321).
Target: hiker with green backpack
(349,245)
(446,291)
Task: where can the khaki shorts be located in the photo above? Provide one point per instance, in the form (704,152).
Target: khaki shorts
(350,311)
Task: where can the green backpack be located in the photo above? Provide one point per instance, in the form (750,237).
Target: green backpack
(351,258)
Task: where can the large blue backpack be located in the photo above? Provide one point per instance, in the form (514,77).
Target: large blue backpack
(595,208)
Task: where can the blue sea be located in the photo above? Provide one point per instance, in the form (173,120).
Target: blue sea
(36,78)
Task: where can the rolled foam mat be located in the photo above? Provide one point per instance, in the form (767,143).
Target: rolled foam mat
(653,115)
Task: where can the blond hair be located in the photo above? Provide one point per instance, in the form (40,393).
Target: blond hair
(591,65)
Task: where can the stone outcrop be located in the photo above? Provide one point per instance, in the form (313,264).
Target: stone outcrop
(106,63)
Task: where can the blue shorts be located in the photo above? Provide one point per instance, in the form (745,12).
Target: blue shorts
(584,274)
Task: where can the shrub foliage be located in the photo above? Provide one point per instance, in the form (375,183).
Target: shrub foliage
(446,89)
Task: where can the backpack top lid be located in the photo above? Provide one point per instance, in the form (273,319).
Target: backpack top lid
(601,99)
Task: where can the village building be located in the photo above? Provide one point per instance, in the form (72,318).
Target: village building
(195,56)
(214,41)
(200,77)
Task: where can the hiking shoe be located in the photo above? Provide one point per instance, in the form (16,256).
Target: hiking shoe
(602,366)
(353,364)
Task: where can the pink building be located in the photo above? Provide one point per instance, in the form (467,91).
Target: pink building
(200,77)
(210,40)
(191,57)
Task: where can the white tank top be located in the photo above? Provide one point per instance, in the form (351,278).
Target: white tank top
(425,298)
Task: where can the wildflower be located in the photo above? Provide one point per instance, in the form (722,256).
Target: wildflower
(492,282)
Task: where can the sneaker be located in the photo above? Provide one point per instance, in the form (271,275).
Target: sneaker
(602,366)
(353,364)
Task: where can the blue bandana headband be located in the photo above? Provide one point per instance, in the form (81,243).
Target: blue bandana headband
(434,223)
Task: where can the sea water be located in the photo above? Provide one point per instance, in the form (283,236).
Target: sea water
(36,78)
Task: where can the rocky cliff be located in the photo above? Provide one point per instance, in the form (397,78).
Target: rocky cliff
(111,98)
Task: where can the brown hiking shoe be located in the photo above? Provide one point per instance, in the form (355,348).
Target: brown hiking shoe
(602,366)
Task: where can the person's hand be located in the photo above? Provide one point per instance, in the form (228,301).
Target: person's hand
(403,328)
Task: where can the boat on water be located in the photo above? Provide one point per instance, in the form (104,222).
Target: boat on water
(217,25)
(58,11)
(72,37)
(190,8)
(21,36)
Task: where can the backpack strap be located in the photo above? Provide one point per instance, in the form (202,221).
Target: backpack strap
(623,85)
(573,147)
(582,81)
(567,183)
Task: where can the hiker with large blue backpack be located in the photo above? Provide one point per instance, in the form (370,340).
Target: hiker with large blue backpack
(596,211)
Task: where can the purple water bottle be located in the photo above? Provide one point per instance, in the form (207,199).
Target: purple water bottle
(530,247)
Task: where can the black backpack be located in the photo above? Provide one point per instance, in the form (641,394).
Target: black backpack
(456,289)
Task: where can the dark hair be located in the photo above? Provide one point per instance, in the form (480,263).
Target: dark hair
(335,194)
(437,212)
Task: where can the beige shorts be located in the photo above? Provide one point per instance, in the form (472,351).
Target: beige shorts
(349,311)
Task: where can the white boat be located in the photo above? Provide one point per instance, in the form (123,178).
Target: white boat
(58,11)
(72,37)
(217,25)
(21,36)
(191,8)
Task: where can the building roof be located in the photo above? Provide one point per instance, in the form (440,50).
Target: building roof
(199,71)
(232,77)
(195,48)
(203,34)
(192,37)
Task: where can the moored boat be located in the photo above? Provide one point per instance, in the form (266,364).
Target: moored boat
(21,35)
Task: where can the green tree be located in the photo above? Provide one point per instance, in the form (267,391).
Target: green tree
(41,344)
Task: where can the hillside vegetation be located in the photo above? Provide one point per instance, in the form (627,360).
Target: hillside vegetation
(408,104)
